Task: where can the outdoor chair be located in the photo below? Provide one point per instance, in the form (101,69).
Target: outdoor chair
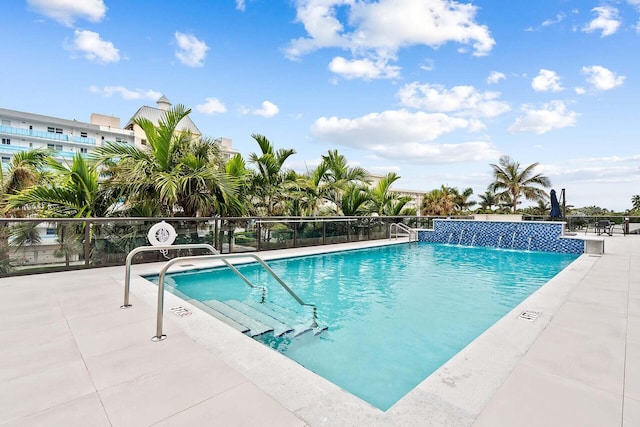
(604,226)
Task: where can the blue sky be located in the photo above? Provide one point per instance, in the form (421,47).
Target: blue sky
(434,90)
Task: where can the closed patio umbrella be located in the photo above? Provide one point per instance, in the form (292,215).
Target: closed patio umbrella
(555,206)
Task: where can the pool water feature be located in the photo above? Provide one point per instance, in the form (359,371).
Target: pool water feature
(395,314)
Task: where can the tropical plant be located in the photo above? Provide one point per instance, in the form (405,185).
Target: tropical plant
(487,201)
(27,168)
(440,201)
(384,201)
(635,200)
(74,192)
(337,177)
(511,181)
(461,200)
(179,174)
(268,180)
(354,200)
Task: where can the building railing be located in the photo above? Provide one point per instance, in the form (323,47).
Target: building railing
(38,245)
(83,140)
(10,130)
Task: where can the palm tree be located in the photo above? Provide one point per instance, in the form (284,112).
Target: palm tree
(635,200)
(354,200)
(441,201)
(338,175)
(511,181)
(26,169)
(463,204)
(177,173)
(488,200)
(383,201)
(268,180)
(73,193)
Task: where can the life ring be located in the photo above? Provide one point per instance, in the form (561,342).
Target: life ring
(161,234)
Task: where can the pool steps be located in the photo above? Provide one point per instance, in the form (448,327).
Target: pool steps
(235,325)
(279,327)
(256,327)
(255,319)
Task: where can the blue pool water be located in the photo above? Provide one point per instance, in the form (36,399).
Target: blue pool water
(395,314)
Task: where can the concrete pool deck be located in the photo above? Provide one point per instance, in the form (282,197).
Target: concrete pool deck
(70,356)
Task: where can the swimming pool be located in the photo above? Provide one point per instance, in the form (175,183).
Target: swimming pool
(395,314)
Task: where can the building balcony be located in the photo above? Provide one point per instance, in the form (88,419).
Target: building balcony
(83,140)
(10,130)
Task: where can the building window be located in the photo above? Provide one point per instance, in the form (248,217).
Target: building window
(83,150)
(83,134)
(6,141)
(51,231)
(50,146)
(119,139)
(58,147)
(6,122)
(54,130)
(6,159)
(143,142)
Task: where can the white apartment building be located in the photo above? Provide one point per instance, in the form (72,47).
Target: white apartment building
(22,131)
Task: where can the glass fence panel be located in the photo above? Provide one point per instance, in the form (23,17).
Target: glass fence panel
(309,234)
(336,232)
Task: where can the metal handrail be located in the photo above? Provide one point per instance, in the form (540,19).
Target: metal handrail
(127,266)
(400,226)
(223,257)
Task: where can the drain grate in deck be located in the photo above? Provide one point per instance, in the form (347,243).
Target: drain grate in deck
(186,265)
(181,311)
(529,315)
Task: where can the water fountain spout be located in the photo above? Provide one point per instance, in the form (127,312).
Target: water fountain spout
(461,234)
(529,243)
(449,239)
(513,239)
(473,239)
(500,239)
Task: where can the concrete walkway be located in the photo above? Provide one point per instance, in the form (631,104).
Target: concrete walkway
(69,356)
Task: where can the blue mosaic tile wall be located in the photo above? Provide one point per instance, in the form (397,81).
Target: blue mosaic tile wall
(534,236)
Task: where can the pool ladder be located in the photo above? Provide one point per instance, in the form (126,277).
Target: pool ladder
(216,256)
(403,230)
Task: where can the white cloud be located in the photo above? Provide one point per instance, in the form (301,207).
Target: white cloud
(191,51)
(67,11)
(553,115)
(269,109)
(495,77)
(580,90)
(402,135)
(94,48)
(559,18)
(428,65)
(363,69)
(602,78)
(606,21)
(382,131)
(211,106)
(460,100)
(240,5)
(635,3)
(126,94)
(546,80)
(379,29)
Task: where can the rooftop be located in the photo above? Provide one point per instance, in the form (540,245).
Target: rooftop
(71,356)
